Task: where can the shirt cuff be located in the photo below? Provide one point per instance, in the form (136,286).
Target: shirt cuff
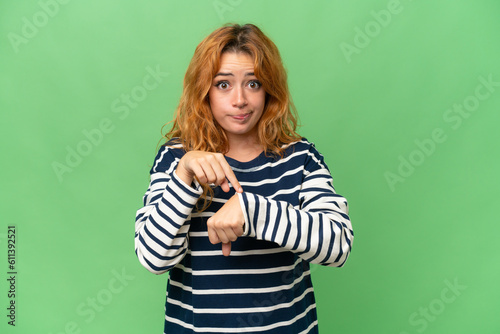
(246,226)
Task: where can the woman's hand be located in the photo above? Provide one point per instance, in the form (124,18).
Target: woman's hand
(208,168)
(226,225)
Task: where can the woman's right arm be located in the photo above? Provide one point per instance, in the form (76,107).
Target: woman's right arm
(162,224)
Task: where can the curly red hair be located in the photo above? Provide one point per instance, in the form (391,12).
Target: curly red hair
(194,125)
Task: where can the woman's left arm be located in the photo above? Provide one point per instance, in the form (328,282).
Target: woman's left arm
(320,231)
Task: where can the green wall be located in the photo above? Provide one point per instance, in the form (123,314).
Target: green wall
(402,98)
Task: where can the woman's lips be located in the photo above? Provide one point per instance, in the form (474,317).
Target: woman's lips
(242,117)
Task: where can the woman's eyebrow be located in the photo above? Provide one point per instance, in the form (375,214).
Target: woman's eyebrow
(231,74)
(224,74)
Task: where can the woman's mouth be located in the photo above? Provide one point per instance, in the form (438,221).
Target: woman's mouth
(241,117)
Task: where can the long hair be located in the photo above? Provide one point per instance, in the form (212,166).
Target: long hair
(194,125)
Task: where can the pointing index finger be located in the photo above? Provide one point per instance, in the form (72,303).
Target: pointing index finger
(231,177)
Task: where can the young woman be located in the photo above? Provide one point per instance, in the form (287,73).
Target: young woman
(239,204)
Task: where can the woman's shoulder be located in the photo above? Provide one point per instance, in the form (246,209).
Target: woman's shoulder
(302,145)
(169,153)
(306,151)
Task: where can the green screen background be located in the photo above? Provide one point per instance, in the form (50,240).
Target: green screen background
(378,94)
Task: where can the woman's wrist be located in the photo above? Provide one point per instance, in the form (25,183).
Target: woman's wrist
(183,174)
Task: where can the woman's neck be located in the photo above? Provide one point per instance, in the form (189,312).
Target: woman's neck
(244,149)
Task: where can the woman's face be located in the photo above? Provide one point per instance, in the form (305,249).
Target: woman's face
(236,96)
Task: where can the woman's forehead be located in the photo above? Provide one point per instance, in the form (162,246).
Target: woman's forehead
(236,61)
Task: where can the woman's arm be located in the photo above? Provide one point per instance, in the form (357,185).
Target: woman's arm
(318,229)
(162,224)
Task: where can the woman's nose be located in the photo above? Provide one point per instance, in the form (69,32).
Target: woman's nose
(239,98)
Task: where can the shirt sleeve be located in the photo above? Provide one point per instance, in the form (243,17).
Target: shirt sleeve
(319,230)
(162,224)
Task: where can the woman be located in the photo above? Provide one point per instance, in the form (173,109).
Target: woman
(239,204)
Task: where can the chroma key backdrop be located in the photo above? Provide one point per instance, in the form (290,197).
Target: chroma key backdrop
(402,97)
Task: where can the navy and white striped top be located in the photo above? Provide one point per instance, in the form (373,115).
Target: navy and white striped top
(293,217)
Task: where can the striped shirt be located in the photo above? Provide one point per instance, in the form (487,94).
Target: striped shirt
(293,217)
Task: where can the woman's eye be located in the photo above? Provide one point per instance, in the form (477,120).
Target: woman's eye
(222,84)
(254,84)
